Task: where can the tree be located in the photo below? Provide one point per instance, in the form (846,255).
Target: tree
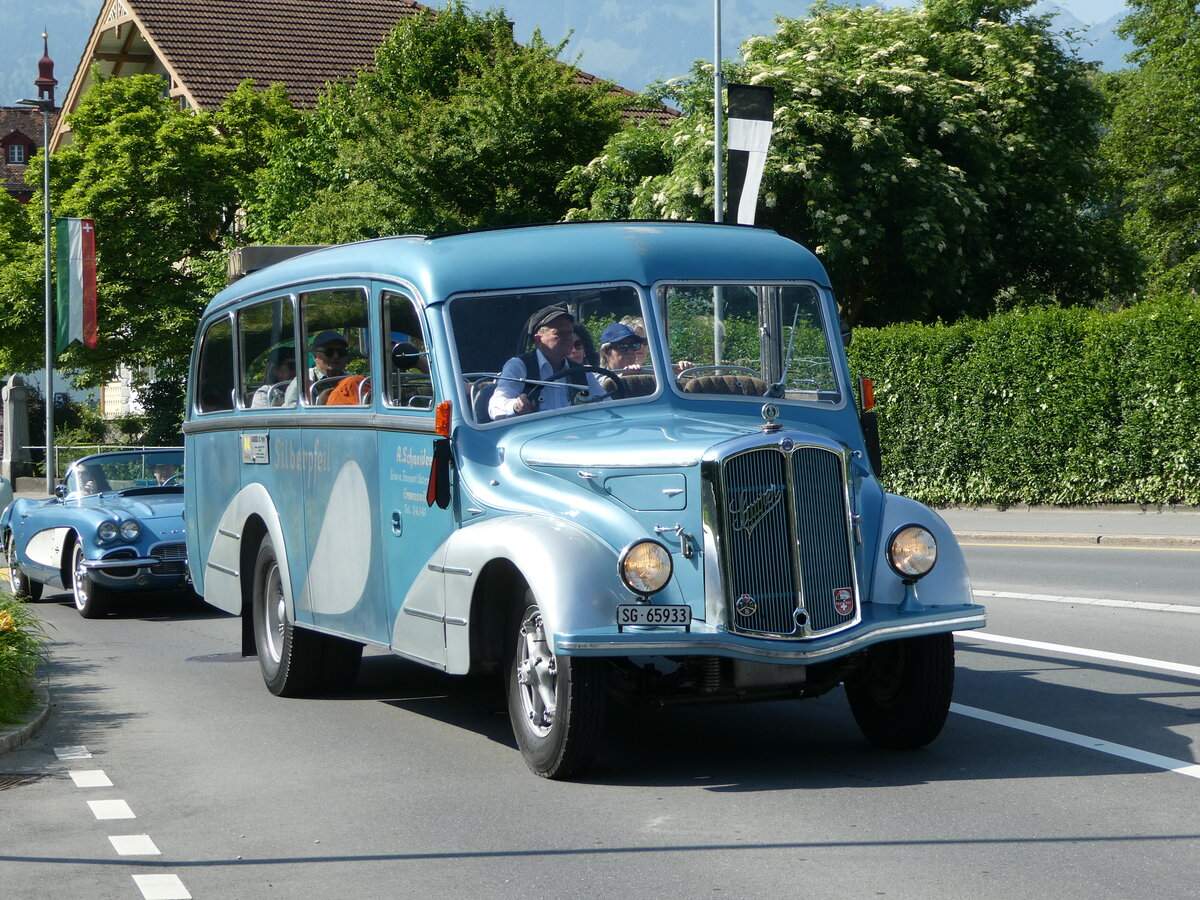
(455,127)
(1153,142)
(933,157)
(164,187)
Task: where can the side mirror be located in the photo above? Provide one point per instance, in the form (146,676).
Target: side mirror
(845,327)
(60,491)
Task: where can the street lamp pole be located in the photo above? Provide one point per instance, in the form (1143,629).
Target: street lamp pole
(45,102)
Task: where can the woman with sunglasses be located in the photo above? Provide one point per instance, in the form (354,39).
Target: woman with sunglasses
(622,348)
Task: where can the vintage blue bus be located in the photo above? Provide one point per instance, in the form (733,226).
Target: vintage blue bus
(611,461)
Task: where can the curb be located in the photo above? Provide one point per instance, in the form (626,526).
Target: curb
(1127,540)
(14,736)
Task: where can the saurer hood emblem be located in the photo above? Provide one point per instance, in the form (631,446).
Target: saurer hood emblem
(747,509)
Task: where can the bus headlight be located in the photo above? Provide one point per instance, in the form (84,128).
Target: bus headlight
(107,531)
(131,530)
(645,567)
(912,552)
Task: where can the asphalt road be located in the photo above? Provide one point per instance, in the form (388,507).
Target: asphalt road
(1063,772)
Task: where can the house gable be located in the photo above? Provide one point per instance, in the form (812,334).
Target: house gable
(205,48)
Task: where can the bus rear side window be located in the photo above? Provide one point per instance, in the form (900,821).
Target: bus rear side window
(214,372)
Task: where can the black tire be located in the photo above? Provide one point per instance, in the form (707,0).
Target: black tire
(92,600)
(901,697)
(23,587)
(290,657)
(559,742)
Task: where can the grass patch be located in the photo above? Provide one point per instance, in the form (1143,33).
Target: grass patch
(21,642)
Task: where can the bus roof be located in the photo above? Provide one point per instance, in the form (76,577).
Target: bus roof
(548,255)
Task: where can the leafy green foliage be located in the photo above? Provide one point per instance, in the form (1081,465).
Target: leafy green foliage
(21,642)
(932,157)
(1041,406)
(455,127)
(1153,142)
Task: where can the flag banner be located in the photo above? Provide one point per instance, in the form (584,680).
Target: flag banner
(751,111)
(75,309)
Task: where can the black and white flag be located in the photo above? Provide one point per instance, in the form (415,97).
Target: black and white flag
(751,111)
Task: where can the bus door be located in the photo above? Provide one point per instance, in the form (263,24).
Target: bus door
(334,465)
(413,530)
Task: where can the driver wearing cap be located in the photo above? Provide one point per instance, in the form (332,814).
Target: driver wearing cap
(552,330)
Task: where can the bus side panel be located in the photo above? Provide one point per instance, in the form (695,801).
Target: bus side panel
(343,590)
(215,457)
(413,531)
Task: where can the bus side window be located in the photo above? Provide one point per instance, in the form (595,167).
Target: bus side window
(406,363)
(214,371)
(268,343)
(338,340)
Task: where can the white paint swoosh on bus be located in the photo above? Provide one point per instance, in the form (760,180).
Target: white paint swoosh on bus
(341,561)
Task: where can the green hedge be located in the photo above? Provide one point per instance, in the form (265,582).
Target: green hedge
(1041,406)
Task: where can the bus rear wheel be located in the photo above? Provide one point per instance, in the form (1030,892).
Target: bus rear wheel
(555,703)
(288,656)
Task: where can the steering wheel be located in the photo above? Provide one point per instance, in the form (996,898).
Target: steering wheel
(617,393)
(174,481)
(702,370)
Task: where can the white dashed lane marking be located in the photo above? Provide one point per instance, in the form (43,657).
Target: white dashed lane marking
(72,753)
(111,809)
(134,845)
(153,887)
(90,778)
(161,887)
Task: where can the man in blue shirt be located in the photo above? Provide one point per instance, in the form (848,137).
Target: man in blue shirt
(552,329)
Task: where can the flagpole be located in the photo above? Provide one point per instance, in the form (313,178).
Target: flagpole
(45,102)
(718,124)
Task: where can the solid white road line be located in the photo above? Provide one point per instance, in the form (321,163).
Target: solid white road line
(161,887)
(88,778)
(1083,652)
(111,809)
(1154,760)
(1091,601)
(72,753)
(134,845)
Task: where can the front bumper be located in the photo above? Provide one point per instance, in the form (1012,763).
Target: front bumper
(702,640)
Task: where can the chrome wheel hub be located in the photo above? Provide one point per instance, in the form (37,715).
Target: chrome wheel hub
(537,675)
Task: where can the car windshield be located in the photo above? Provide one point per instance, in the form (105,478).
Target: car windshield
(121,471)
(756,340)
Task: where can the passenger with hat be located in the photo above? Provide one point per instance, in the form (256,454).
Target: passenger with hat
(552,330)
(330,352)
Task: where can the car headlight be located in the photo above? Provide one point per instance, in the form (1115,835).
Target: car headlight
(131,530)
(645,567)
(912,552)
(107,531)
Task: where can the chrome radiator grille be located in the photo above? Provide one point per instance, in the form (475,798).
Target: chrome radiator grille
(173,556)
(788,562)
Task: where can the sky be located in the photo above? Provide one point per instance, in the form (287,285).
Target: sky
(632,42)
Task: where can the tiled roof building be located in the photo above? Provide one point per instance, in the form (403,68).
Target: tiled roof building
(20,138)
(205,48)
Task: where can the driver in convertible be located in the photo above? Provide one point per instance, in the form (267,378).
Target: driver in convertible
(552,330)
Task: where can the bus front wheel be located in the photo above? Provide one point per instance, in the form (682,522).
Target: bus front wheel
(555,703)
(288,656)
(902,696)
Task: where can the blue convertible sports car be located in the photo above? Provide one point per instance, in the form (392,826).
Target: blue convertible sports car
(115,525)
